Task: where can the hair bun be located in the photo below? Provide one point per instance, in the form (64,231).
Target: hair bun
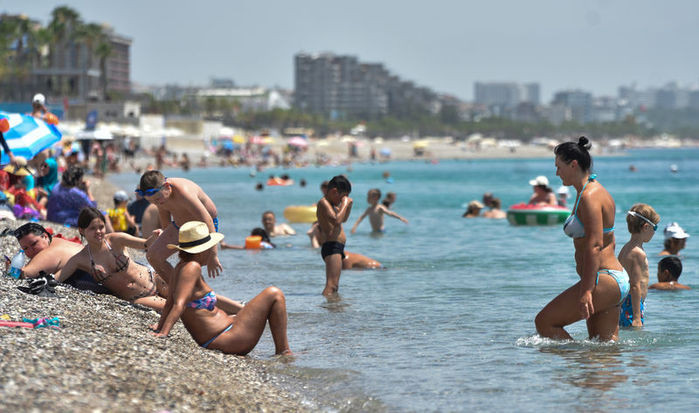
(583,142)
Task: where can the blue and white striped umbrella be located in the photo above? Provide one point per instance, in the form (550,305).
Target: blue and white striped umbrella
(27,135)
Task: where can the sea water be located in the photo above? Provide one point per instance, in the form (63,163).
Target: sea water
(448,325)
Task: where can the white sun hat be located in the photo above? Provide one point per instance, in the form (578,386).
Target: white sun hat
(674,230)
(539,180)
(39,98)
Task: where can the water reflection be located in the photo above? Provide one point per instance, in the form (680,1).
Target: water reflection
(335,304)
(596,367)
(599,369)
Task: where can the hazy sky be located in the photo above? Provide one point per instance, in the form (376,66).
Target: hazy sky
(595,45)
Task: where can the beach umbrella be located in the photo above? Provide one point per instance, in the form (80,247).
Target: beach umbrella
(298,141)
(25,135)
(238,139)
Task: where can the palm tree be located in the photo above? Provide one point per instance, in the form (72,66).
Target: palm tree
(103,51)
(64,23)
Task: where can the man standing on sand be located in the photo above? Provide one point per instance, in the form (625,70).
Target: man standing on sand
(49,254)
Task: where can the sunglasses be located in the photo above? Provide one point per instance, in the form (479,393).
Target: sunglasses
(637,215)
(149,192)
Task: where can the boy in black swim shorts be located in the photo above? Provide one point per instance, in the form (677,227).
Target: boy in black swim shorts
(332,210)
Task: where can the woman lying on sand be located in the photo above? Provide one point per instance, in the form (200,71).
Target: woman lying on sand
(193,301)
(105,258)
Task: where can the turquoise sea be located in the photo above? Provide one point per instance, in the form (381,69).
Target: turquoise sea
(448,325)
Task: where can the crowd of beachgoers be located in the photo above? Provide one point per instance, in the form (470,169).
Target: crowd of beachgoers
(95,245)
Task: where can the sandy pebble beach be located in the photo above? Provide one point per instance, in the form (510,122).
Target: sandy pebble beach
(103,357)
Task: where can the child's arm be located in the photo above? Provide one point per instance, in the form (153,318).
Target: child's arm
(345,209)
(137,243)
(335,218)
(637,268)
(391,213)
(361,217)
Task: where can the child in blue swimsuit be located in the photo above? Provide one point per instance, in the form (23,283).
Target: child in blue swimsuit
(642,221)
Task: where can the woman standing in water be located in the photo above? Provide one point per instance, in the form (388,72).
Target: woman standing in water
(603,281)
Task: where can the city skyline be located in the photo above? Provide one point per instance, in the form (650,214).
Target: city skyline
(596,46)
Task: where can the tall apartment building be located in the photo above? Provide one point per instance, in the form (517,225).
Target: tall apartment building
(579,102)
(338,86)
(119,63)
(506,95)
(342,86)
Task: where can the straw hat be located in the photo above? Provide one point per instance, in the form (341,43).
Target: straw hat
(475,204)
(194,238)
(19,168)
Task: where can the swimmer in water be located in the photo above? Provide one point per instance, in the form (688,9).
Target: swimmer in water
(376,211)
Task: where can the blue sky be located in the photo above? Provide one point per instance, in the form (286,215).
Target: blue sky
(596,45)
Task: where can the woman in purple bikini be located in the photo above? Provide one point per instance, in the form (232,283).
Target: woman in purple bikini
(192,300)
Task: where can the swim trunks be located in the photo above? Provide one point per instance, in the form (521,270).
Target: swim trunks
(332,247)
(626,316)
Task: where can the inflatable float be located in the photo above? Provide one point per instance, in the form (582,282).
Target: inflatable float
(300,213)
(279,182)
(525,214)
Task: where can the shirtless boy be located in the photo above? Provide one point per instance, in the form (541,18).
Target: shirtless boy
(669,271)
(332,210)
(642,221)
(376,212)
(269,221)
(179,200)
